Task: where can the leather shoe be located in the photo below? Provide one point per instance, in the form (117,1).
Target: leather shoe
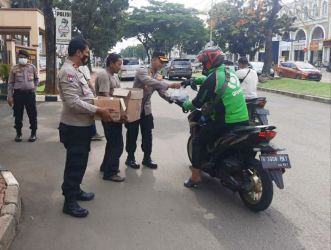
(149,163)
(18,138)
(84,196)
(32,138)
(72,208)
(115,178)
(132,163)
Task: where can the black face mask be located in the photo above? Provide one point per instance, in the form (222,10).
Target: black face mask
(84,60)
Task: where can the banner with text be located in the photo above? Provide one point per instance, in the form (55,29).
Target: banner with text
(63,26)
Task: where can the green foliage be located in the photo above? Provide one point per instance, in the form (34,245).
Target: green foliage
(163,25)
(100,22)
(4,72)
(242,24)
(134,51)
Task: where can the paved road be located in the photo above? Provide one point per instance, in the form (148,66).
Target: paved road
(152,210)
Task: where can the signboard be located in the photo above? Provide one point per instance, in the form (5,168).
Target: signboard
(63,26)
(299,45)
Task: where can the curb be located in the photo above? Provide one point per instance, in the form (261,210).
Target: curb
(40,98)
(295,95)
(10,212)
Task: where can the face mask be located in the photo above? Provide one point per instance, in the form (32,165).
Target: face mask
(85,60)
(22,61)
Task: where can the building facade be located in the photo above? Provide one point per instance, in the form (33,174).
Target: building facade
(313,31)
(22,29)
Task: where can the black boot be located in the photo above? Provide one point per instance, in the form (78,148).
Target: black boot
(131,162)
(148,162)
(18,138)
(33,136)
(85,196)
(72,208)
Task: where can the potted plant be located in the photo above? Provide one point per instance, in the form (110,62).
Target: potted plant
(4,75)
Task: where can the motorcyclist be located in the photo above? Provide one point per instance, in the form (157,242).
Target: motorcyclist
(248,78)
(222,103)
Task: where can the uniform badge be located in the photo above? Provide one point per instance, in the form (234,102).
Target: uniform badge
(70,78)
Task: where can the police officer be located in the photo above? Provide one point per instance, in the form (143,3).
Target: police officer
(75,127)
(23,81)
(105,83)
(149,80)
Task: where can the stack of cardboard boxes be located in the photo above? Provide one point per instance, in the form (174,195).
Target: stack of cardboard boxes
(125,102)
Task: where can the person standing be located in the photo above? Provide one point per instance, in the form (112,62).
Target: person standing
(105,83)
(149,80)
(87,74)
(23,81)
(75,128)
(248,79)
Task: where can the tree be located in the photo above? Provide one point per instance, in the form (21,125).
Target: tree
(134,51)
(162,25)
(47,7)
(246,26)
(100,22)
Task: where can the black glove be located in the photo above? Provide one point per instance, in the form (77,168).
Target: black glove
(186,82)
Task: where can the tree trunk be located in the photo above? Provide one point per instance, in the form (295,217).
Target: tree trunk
(268,38)
(50,87)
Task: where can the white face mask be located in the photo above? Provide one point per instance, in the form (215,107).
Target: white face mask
(22,61)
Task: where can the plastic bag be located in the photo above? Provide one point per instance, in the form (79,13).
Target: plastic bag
(179,95)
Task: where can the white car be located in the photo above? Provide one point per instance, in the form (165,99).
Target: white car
(258,66)
(129,67)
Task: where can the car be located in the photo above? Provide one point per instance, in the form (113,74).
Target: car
(258,66)
(299,70)
(129,67)
(177,68)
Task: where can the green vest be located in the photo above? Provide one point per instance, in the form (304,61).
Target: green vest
(232,98)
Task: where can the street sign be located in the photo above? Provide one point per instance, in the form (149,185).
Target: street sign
(63,26)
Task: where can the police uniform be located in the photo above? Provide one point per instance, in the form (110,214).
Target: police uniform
(23,81)
(75,127)
(149,82)
(105,83)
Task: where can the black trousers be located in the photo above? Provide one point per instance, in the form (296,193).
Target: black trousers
(114,148)
(25,99)
(77,142)
(208,134)
(146,124)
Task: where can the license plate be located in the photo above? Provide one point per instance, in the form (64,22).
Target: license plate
(275,161)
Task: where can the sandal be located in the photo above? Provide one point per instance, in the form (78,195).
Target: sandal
(191,184)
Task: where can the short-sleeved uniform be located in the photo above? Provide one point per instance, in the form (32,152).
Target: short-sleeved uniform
(105,83)
(75,127)
(23,81)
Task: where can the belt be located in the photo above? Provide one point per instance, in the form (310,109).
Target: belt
(24,90)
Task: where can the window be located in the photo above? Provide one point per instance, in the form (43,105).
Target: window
(315,10)
(305,13)
(324,8)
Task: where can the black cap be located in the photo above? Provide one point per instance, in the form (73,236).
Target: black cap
(243,60)
(23,52)
(162,56)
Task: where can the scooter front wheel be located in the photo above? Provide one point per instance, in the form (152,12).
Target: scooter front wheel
(189,148)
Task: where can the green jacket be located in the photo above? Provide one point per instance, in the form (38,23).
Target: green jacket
(230,106)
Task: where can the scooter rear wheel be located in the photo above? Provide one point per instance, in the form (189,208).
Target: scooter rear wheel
(260,196)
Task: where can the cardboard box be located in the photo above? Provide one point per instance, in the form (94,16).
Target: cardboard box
(132,101)
(111,103)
